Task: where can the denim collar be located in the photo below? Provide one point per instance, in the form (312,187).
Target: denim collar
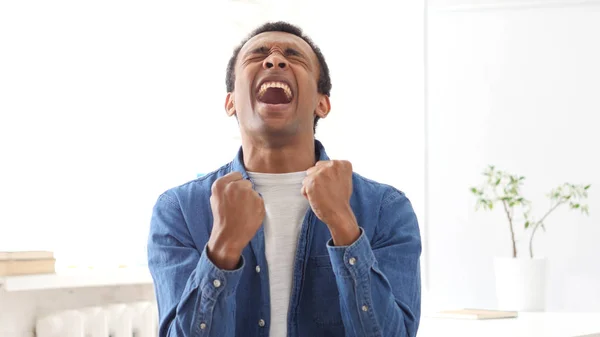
(238,162)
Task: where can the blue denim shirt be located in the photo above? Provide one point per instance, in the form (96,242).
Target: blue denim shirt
(370,288)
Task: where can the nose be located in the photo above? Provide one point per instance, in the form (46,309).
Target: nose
(275,59)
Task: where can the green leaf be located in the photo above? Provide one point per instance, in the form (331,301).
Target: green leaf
(585,209)
(587,187)
(482,203)
(498,181)
(527,224)
(474,190)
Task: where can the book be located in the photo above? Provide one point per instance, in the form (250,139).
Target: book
(475,314)
(26,255)
(27,267)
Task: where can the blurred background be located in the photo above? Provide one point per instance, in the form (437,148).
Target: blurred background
(104,105)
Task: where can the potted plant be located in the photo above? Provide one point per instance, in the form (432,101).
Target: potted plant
(521,280)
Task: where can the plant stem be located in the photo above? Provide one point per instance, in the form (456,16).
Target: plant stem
(538,224)
(512,230)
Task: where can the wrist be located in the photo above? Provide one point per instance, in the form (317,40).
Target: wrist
(345,237)
(344,229)
(223,256)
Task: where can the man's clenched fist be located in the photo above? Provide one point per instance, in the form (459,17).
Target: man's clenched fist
(328,188)
(238,212)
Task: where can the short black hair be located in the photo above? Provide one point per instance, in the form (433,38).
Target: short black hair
(324,82)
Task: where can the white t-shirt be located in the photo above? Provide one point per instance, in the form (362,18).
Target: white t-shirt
(285,210)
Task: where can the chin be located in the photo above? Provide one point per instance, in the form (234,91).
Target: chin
(274,127)
(278,127)
(275,120)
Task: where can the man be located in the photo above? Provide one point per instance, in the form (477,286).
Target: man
(283,241)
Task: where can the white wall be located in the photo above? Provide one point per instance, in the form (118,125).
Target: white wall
(518,88)
(103,107)
(106,106)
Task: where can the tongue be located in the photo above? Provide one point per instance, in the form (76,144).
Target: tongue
(274,96)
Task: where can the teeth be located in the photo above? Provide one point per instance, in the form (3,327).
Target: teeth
(267,85)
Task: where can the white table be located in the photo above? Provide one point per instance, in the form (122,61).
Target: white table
(526,325)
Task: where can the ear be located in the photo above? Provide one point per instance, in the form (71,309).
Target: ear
(229,104)
(323,106)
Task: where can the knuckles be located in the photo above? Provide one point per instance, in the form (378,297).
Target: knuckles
(237,190)
(231,190)
(216,187)
(343,165)
(338,165)
(333,168)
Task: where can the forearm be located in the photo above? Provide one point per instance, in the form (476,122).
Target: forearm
(195,297)
(207,303)
(371,306)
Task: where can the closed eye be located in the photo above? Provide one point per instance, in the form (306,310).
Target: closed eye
(293,52)
(262,51)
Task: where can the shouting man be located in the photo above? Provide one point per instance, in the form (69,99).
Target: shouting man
(284,241)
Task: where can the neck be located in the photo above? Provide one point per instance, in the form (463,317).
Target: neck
(279,158)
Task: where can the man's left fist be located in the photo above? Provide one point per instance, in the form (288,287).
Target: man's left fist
(328,188)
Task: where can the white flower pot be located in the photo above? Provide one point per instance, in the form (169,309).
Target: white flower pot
(521,283)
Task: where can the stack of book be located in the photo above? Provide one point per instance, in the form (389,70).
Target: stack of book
(26,263)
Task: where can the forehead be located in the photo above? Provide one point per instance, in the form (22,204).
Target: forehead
(278,39)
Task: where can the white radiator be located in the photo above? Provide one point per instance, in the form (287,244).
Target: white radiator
(139,319)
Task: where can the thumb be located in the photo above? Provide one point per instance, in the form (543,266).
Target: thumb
(303,191)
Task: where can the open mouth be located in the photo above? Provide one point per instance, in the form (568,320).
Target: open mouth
(274,93)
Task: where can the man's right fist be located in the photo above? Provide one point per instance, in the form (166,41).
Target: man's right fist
(238,212)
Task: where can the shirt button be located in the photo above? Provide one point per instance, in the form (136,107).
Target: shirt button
(261,323)
(352,261)
(203,326)
(258,269)
(365,308)
(216,283)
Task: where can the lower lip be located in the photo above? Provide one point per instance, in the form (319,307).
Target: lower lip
(266,107)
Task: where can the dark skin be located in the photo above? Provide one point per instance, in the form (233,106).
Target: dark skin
(278,138)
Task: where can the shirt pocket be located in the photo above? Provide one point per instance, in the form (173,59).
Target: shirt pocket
(322,289)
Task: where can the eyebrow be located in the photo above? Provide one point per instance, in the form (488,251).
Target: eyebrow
(264,50)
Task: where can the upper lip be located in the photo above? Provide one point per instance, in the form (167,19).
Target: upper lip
(275,78)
